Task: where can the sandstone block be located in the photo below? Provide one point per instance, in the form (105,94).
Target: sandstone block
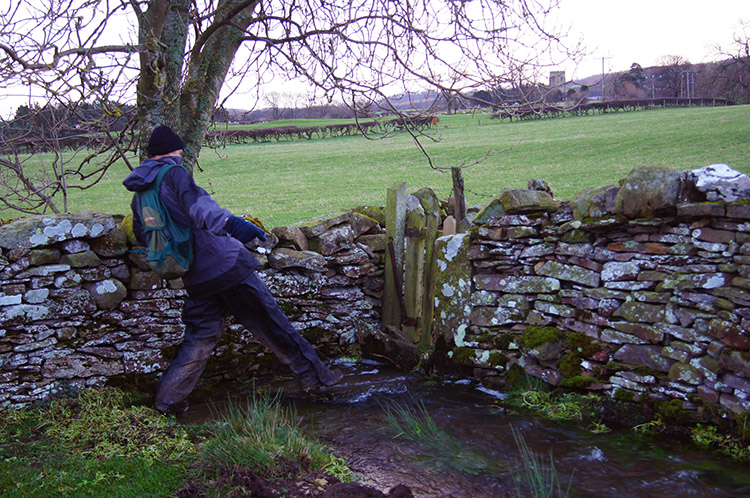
(76,366)
(516,284)
(291,235)
(112,244)
(646,192)
(283,257)
(550,376)
(317,226)
(333,240)
(44,256)
(571,273)
(594,203)
(107,294)
(649,356)
(641,312)
(729,333)
(719,182)
(701,210)
(42,230)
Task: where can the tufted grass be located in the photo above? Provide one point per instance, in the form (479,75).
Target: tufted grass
(536,476)
(287,182)
(259,434)
(441,449)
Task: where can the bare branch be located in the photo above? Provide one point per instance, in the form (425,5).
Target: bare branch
(172,61)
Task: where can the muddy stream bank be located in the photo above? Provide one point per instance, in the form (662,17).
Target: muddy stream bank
(352,419)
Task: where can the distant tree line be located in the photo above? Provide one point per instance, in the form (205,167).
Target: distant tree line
(62,121)
(35,127)
(674,78)
(541,111)
(36,130)
(278,109)
(88,125)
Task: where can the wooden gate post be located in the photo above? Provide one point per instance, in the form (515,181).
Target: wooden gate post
(395,216)
(414,272)
(431,206)
(462,223)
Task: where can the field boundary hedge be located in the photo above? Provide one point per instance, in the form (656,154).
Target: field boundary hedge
(587,108)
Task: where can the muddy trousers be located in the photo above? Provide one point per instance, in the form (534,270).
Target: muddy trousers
(255,308)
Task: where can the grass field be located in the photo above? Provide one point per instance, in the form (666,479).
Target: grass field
(286,182)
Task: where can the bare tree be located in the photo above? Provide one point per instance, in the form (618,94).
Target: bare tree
(672,71)
(294,102)
(316,107)
(46,152)
(274,102)
(178,59)
(732,74)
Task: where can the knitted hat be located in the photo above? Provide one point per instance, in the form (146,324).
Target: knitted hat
(163,141)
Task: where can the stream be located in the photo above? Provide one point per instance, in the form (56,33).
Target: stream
(351,419)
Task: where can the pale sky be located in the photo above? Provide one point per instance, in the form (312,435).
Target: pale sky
(643,31)
(621,32)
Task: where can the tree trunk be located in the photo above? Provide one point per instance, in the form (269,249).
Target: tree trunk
(208,68)
(162,30)
(163,97)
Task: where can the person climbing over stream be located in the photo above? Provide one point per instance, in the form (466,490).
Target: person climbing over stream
(221,280)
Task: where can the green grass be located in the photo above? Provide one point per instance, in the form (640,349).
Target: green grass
(708,437)
(287,182)
(100,443)
(91,445)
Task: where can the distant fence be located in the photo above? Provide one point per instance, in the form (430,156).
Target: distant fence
(29,144)
(243,136)
(587,108)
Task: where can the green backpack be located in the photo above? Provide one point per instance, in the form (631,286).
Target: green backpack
(170,247)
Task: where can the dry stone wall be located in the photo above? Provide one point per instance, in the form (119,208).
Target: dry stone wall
(78,307)
(636,290)
(639,291)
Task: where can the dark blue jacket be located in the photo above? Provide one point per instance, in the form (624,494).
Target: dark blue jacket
(220,261)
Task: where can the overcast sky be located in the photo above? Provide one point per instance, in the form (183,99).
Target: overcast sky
(616,34)
(643,31)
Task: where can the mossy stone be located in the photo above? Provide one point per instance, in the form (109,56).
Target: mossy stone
(579,382)
(504,340)
(535,336)
(570,365)
(497,359)
(672,411)
(587,346)
(624,395)
(464,356)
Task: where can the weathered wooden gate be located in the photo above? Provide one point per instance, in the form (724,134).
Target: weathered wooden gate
(412,224)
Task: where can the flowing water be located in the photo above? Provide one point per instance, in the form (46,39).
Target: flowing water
(351,418)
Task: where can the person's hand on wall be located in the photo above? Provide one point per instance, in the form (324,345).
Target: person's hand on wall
(243,230)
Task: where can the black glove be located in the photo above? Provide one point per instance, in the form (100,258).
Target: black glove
(243,230)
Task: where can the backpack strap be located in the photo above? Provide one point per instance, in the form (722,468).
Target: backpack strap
(162,173)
